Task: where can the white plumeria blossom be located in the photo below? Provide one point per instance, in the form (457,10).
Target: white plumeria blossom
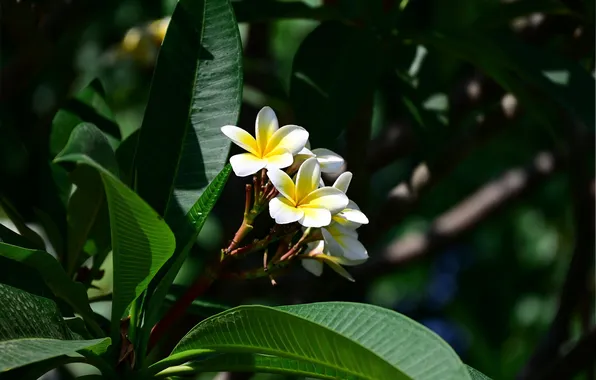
(303,201)
(351,216)
(342,241)
(329,161)
(318,254)
(273,147)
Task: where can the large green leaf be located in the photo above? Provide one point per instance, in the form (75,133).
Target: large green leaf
(31,330)
(196,89)
(360,340)
(88,105)
(141,240)
(195,220)
(235,362)
(476,375)
(87,214)
(334,74)
(73,293)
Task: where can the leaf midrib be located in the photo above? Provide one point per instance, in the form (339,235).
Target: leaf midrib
(294,316)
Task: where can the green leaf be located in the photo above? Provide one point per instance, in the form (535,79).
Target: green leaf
(239,362)
(196,89)
(360,340)
(32,330)
(87,215)
(88,105)
(141,240)
(73,293)
(9,236)
(476,375)
(195,220)
(334,74)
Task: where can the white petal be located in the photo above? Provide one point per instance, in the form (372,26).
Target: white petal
(245,164)
(331,245)
(241,138)
(351,215)
(343,181)
(282,182)
(282,212)
(306,152)
(308,178)
(265,126)
(315,217)
(326,197)
(315,247)
(353,249)
(313,266)
(330,161)
(279,161)
(338,231)
(290,137)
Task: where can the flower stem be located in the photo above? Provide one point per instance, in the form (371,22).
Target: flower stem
(177,310)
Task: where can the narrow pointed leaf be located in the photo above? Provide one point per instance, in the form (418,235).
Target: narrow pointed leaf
(141,240)
(196,89)
(32,330)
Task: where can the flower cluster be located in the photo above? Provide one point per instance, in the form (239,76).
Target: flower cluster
(314,222)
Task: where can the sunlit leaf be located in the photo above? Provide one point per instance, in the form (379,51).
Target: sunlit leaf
(355,340)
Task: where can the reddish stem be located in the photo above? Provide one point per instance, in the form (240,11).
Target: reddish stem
(179,308)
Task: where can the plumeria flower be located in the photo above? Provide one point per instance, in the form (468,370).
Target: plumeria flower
(342,241)
(316,255)
(303,201)
(351,216)
(273,147)
(329,161)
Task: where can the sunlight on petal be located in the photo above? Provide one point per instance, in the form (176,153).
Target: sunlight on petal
(241,138)
(351,215)
(313,266)
(245,164)
(330,161)
(290,137)
(308,178)
(329,198)
(315,217)
(283,212)
(265,126)
(343,181)
(283,183)
(282,159)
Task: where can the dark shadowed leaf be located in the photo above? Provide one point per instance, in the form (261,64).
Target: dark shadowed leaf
(87,215)
(195,220)
(32,330)
(141,240)
(334,74)
(196,89)
(73,293)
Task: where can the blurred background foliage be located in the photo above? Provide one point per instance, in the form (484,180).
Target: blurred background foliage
(476,173)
